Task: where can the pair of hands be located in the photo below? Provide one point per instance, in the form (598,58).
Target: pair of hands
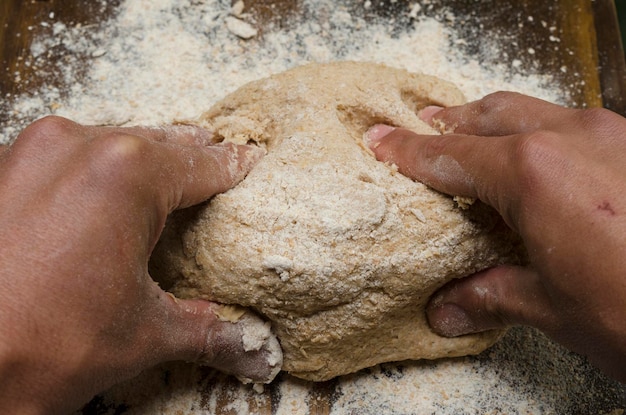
(82,207)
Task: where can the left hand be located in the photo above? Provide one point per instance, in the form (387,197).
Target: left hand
(81,209)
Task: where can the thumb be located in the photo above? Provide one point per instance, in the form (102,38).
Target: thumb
(232,340)
(492,299)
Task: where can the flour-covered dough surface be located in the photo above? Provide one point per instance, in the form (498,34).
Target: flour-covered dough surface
(339,251)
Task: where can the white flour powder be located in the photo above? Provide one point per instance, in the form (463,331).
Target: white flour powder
(166,60)
(158,61)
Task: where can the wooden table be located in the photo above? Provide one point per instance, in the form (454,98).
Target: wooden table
(589,46)
(587,28)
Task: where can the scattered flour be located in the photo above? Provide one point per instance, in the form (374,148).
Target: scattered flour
(158,61)
(164,60)
(523,374)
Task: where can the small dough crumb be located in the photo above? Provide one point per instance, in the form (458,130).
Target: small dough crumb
(240,28)
(231,313)
(464,202)
(237,8)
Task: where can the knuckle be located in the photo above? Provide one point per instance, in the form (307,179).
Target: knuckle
(595,116)
(426,162)
(119,157)
(494,299)
(53,122)
(538,159)
(536,154)
(487,297)
(121,148)
(47,128)
(598,119)
(434,147)
(496,101)
(495,98)
(484,117)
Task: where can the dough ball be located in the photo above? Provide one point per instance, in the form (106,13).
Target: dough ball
(339,251)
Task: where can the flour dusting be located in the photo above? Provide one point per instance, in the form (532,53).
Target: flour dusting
(158,61)
(166,60)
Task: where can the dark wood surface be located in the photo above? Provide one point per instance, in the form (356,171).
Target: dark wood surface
(21,21)
(611,56)
(589,44)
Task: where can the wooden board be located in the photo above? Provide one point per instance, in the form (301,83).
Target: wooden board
(588,46)
(594,56)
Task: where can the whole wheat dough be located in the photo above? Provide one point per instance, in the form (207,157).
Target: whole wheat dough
(339,251)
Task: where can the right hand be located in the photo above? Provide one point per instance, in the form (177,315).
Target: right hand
(558,177)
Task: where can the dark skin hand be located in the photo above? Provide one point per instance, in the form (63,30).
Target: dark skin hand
(558,177)
(81,209)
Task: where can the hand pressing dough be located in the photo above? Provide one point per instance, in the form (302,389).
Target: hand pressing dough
(339,251)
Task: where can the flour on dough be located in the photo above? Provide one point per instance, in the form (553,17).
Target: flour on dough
(339,251)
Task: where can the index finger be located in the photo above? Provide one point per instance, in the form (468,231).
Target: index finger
(454,164)
(501,114)
(172,175)
(179,162)
(168,166)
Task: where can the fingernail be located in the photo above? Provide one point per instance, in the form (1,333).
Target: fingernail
(427,113)
(374,135)
(450,320)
